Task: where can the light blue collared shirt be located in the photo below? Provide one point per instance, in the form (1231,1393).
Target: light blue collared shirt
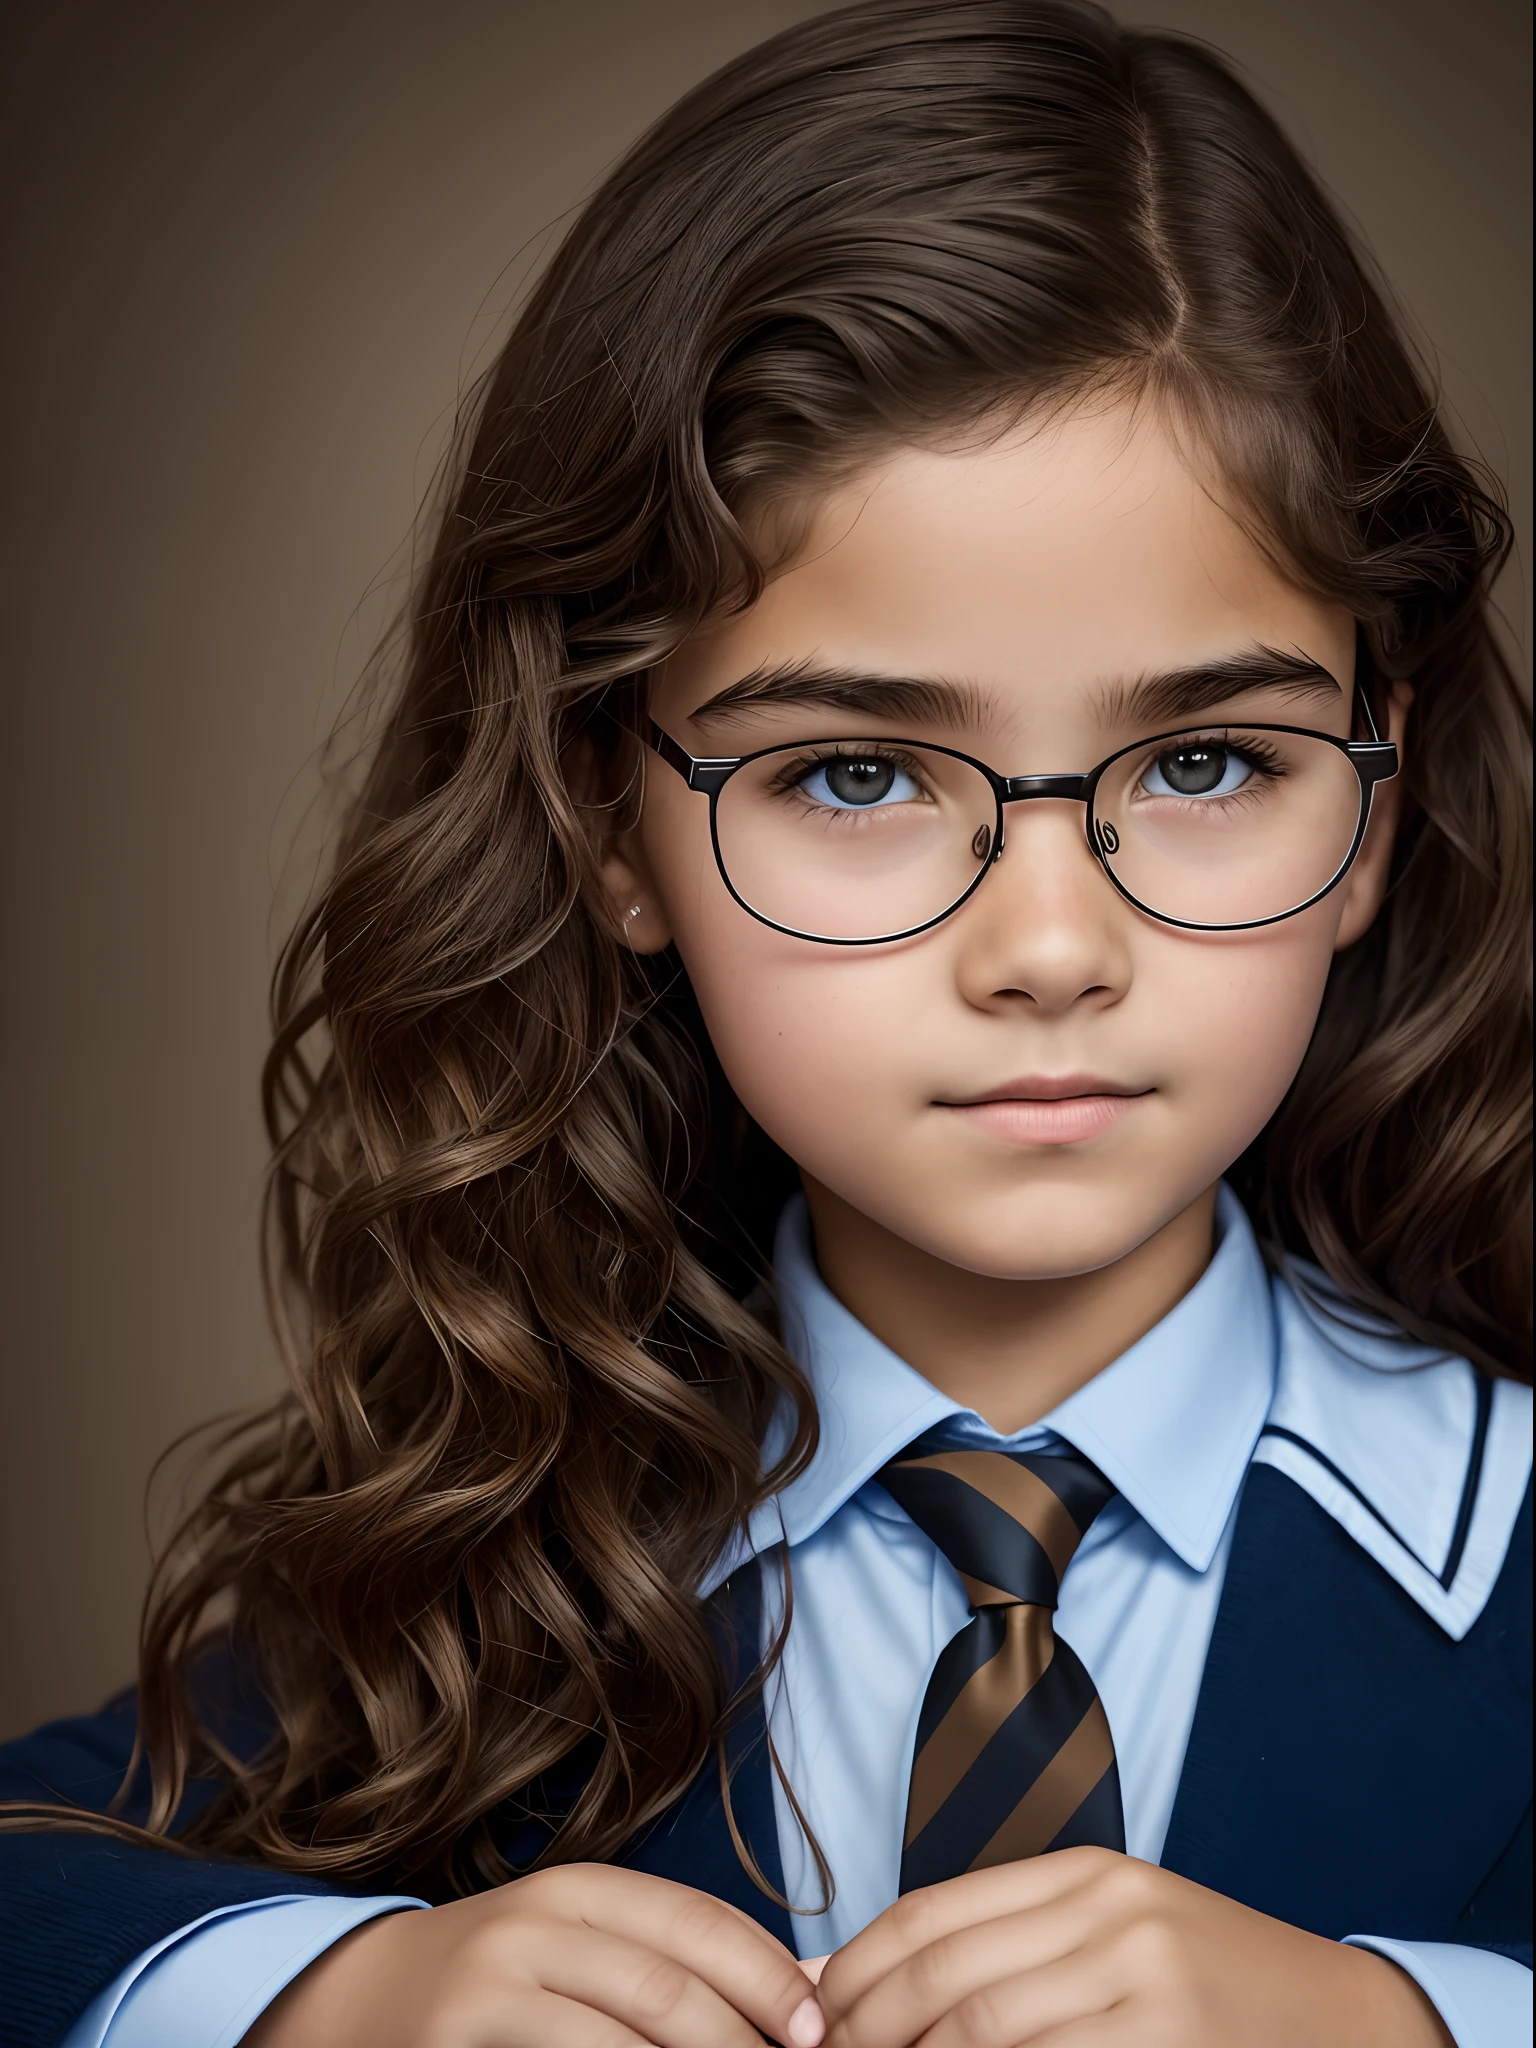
(1174,1423)
(874,1597)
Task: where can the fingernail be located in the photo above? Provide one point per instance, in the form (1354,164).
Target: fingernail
(806,2025)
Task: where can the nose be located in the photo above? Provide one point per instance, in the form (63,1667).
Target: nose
(1047,929)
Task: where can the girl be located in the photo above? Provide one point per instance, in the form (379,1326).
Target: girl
(950,779)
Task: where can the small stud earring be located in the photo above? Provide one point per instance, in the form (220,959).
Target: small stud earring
(635,911)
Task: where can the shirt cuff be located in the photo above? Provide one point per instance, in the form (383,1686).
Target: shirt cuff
(206,1984)
(1484,1998)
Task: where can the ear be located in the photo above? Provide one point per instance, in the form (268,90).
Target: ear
(1366,883)
(634,902)
(611,794)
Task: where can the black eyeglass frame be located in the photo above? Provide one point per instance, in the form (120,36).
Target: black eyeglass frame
(1373,760)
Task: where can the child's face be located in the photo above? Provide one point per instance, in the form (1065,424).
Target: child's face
(1048,575)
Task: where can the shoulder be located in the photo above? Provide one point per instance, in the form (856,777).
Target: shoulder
(1423,1460)
(83,1761)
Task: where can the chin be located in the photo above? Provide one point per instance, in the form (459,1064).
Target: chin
(1053,1234)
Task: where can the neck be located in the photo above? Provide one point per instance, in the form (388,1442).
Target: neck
(1010,1349)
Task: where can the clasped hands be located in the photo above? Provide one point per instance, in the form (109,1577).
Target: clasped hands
(1090,1949)
(1081,1949)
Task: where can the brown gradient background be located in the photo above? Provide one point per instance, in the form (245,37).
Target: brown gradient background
(253,251)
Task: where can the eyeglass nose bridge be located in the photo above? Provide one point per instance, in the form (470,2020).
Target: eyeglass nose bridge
(1022,789)
(1019,789)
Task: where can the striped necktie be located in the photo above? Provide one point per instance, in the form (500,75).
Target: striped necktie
(1013,1752)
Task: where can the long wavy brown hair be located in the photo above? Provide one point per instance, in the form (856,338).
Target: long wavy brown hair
(514,1209)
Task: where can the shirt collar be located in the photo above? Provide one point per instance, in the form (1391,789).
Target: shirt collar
(1173,1421)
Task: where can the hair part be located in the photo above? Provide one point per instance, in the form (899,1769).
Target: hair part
(514,1208)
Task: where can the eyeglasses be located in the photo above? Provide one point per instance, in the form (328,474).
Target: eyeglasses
(857,842)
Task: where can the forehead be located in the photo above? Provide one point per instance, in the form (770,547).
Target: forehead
(1082,551)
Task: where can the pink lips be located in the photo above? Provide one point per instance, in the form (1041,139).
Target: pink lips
(1045,1109)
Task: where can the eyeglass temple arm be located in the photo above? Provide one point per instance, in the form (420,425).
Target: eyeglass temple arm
(1375,759)
(706,774)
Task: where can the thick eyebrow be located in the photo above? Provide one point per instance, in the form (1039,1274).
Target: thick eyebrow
(1150,700)
(1178,693)
(932,700)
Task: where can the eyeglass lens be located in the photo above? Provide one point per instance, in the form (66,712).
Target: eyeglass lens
(862,840)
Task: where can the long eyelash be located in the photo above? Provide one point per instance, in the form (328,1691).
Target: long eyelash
(1263,754)
(794,772)
(1260,752)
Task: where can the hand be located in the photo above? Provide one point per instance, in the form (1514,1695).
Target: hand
(1089,1949)
(584,1956)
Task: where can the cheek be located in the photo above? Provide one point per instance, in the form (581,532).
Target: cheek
(1239,1015)
(802,1038)
(795,1026)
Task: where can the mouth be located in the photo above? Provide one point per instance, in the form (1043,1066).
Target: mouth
(1049,1109)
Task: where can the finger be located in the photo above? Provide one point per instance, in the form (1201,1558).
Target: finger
(923,1987)
(1075,1989)
(535,2019)
(661,1998)
(922,1917)
(1121,2027)
(739,1960)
